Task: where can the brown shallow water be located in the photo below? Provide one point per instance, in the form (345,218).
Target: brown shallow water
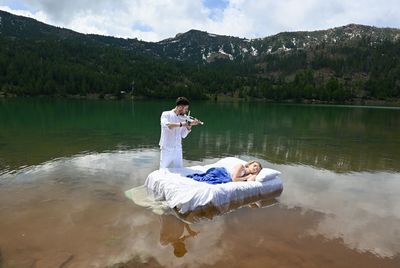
(71,212)
(65,164)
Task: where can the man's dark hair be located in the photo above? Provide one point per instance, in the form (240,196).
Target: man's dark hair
(182,101)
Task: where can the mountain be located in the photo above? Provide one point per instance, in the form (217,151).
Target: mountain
(202,46)
(196,46)
(345,36)
(14,26)
(338,64)
(199,46)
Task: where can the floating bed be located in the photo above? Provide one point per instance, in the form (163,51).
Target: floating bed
(185,194)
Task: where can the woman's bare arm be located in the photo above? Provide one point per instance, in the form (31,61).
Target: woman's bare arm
(236,173)
(251,177)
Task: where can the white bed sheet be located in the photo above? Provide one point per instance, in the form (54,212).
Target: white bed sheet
(186,194)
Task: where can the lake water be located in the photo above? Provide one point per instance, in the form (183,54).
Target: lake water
(65,164)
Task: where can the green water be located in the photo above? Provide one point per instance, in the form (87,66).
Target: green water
(337,138)
(65,165)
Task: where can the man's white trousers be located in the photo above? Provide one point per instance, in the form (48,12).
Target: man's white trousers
(171,158)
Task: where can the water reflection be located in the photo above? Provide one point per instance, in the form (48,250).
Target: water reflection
(72,210)
(340,155)
(336,138)
(342,139)
(360,208)
(142,197)
(172,231)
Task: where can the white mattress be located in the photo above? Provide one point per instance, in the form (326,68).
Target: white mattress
(185,194)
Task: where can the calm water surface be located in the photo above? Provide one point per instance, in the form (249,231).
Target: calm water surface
(65,164)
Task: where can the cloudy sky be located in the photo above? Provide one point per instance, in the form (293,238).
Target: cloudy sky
(154,20)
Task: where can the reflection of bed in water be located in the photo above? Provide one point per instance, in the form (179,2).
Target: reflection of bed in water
(210,211)
(141,197)
(185,195)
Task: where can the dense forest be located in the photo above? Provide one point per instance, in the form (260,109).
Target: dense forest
(74,67)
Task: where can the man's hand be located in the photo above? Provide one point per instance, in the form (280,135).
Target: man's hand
(186,125)
(195,122)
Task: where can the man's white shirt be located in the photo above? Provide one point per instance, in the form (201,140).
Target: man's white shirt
(171,138)
(171,141)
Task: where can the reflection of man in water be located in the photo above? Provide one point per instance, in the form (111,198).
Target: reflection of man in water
(172,232)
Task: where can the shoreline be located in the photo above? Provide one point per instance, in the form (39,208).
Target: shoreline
(219,98)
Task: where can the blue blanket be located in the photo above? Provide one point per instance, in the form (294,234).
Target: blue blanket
(212,176)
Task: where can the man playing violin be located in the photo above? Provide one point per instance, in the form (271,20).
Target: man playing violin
(173,130)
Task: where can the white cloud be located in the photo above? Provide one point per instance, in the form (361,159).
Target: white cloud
(252,18)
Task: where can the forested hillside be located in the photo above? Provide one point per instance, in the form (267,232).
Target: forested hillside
(336,65)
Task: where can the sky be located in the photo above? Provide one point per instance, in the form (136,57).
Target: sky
(155,20)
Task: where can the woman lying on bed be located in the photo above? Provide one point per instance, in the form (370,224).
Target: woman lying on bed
(217,175)
(247,172)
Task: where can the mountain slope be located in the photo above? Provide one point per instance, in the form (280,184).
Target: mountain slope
(340,64)
(199,46)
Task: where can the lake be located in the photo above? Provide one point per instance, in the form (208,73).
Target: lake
(65,164)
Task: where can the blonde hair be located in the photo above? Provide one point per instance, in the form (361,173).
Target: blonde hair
(252,162)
